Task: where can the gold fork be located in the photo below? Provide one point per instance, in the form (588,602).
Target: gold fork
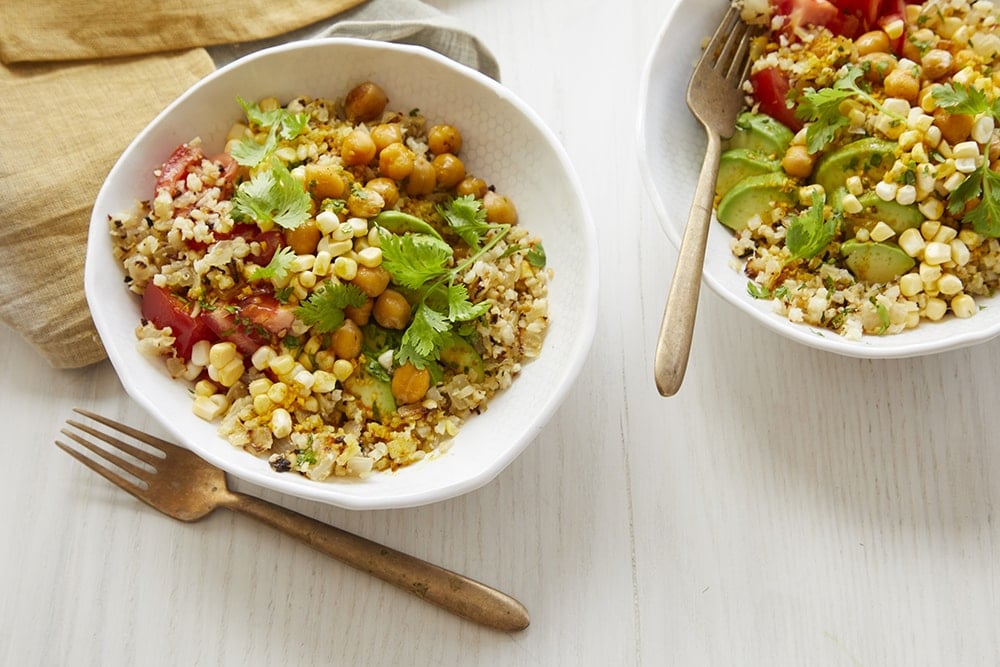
(714,96)
(183,486)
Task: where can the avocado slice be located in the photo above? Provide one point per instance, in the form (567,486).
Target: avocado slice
(460,356)
(373,393)
(898,216)
(755,195)
(759,132)
(736,164)
(869,158)
(876,262)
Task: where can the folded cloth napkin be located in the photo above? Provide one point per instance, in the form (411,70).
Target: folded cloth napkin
(78,86)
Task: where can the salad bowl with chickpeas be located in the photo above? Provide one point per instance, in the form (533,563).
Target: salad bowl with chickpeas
(855,202)
(346,289)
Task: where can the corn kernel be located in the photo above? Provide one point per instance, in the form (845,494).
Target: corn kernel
(982,128)
(945,234)
(929,274)
(906,195)
(324,382)
(222,353)
(932,137)
(281,423)
(949,284)
(960,253)
(282,364)
(199,353)
(206,408)
(882,232)
(932,208)
(862,234)
(204,388)
(963,306)
(327,222)
(310,404)
(230,373)
(359,227)
(259,386)
(851,204)
(343,232)
(262,357)
(935,309)
(278,392)
(307,279)
(894,28)
(854,185)
(321,266)
(910,284)
(337,248)
(305,380)
(952,182)
(345,268)
(908,139)
(262,404)
(325,360)
(370,257)
(937,253)
(929,229)
(886,191)
(342,369)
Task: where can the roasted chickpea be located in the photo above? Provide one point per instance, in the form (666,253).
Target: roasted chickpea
(384,134)
(323,181)
(917,41)
(423,178)
(387,188)
(395,161)
(346,340)
(371,280)
(365,102)
(360,314)
(410,385)
(448,169)
(358,148)
(875,41)
(935,64)
(365,202)
(877,66)
(471,185)
(304,238)
(798,163)
(392,310)
(499,208)
(444,139)
(955,127)
(903,84)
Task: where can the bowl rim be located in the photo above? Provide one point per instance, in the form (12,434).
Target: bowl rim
(810,336)
(332,491)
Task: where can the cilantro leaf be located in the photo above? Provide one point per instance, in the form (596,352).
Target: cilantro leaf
(809,233)
(985,218)
(423,339)
(959,99)
(536,256)
(821,108)
(460,309)
(415,259)
(466,218)
(758,291)
(277,268)
(324,310)
(272,196)
(248,153)
(281,123)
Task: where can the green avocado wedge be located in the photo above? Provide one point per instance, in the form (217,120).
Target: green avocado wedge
(736,164)
(755,195)
(898,216)
(759,132)
(868,158)
(874,262)
(373,393)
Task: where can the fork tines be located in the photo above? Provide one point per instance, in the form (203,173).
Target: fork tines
(729,47)
(137,462)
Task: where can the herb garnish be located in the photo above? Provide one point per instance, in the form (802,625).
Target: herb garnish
(272,196)
(324,310)
(809,233)
(277,268)
(282,123)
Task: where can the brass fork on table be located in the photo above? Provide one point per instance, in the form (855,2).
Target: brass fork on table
(185,487)
(714,96)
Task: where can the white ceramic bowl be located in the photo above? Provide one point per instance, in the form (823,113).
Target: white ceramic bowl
(505,142)
(671,146)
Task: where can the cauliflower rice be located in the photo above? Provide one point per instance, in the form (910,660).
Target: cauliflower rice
(241,305)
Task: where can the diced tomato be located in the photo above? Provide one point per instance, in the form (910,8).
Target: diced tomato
(225,326)
(176,167)
(264,310)
(164,309)
(229,169)
(848,18)
(770,89)
(269,244)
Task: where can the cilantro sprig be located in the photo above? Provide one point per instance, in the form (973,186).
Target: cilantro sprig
(281,124)
(425,265)
(277,268)
(809,233)
(983,184)
(272,196)
(324,309)
(821,108)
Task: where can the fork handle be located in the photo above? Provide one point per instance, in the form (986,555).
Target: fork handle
(451,591)
(677,327)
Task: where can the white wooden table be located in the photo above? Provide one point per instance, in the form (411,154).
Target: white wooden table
(787,507)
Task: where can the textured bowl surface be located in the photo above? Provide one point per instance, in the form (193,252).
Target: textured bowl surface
(505,142)
(671,146)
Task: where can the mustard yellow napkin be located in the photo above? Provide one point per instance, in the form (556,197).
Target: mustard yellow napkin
(80,80)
